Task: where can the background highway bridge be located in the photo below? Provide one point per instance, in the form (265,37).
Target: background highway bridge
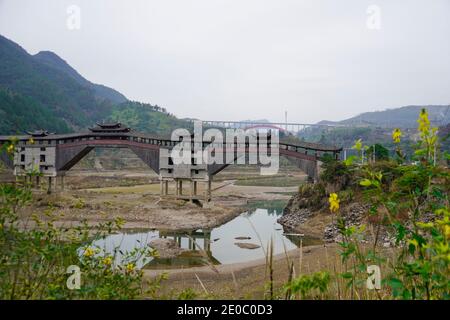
(52,155)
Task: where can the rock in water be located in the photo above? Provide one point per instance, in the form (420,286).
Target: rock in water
(244,245)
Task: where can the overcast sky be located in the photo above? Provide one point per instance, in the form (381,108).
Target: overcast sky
(249,59)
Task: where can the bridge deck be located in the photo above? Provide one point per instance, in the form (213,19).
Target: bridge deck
(54,154)
(143,138)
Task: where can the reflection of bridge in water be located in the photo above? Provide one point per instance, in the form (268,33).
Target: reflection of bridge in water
(191,236)
(197,245)
(52,155)
(198,251)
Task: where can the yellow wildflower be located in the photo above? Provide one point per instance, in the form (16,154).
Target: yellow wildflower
(396,134)
(424,122)
(107,261)
(10,149)
(414,242)
(442,247)
(358,145)
(89,252)
(130,267)
(425,225)
(447,231)
(334,202)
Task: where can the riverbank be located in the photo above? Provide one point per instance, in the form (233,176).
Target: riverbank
(246,280)
(97,197)
(141,208)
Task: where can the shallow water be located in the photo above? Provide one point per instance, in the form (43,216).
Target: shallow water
(216,245)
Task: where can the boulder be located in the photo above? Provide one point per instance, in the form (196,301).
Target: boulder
(244,245)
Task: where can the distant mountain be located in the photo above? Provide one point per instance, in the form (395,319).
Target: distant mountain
(403,117)
(48,87)
(376,127)
(43,91)
(51,59)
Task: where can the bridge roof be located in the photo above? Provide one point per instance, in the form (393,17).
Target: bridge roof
(39,133)
(310,145)
(109,127)
(84,134)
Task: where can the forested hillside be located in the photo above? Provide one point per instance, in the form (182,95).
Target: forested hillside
(53,89)
(376,128)
(145,117)
(19,113)
(403,117)
(43,91)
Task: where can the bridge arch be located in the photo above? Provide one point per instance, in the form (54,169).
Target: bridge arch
(69,154)
(265,126)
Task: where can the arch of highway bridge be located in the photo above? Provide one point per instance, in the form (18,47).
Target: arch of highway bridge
(265,126)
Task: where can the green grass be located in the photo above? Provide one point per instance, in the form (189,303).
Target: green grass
(277,181)
(288,193)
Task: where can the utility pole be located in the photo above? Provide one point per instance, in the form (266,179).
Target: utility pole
(285,119)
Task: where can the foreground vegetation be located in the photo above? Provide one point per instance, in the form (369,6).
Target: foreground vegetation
(407,201)
(40,260)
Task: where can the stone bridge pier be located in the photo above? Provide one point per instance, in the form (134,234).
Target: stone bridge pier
(311,168)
